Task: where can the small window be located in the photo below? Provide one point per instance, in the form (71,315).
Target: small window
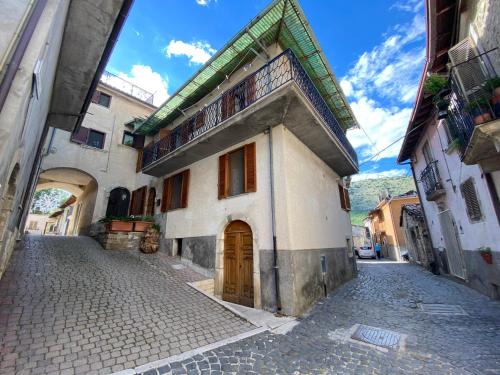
(345,202)
(237,172)
(95,139)
(175,191)
(101,99)
(426,150)
(128,139)
(472,204)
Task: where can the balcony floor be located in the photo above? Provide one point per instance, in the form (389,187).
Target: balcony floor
(287,105)
(484,143)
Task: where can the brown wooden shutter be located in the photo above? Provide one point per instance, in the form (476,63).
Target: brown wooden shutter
(167,195)
(185,189)
(81,135)
(95,97)
(138,141)
(342,197)
(250,168)
(250,90)
(347,200)
(138,165)
(223,176)
(138,201)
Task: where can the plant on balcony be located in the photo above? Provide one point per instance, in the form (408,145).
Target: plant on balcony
(479,110)
(486,254)
(438,86)
(494,86)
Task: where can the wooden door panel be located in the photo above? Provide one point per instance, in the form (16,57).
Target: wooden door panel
(230,292)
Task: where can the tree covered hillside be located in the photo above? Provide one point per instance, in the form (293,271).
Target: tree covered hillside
(364,194)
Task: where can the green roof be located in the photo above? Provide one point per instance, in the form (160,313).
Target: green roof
(282,22)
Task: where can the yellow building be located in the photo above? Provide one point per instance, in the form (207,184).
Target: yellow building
(383,222)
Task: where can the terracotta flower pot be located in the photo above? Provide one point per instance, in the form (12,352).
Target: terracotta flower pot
(142,226)
(119,226)
(488,257)
(482,118)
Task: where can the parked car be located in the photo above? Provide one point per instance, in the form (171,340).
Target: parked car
(365,252)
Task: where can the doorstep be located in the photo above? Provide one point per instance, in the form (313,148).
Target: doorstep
(259,318)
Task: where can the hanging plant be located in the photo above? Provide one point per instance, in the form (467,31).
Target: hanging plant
(486,253)
(435,83)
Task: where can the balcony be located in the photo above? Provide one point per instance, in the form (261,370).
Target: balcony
(474,110)
(126,87)
(280,92)
(432,181)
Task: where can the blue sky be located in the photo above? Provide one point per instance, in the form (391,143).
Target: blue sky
(376,50)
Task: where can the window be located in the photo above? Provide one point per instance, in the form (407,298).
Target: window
(137,204)
(345,202)
(472,205)
(89,137)
(175,191)
(101,99)
(426,150)
(128,139)
(237,172)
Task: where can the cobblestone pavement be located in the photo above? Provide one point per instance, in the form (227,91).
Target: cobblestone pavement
(384,295)
(67,306)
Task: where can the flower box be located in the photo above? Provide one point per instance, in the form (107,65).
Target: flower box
(119,226)
(142,226)
(488,257)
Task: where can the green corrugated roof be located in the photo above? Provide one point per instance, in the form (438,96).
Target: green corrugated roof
(282,21)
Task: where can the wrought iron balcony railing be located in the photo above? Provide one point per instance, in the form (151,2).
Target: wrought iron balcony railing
(274,74)
(474,97)
(430,179)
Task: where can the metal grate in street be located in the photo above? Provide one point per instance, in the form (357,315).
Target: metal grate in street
(377,336)
(442,309)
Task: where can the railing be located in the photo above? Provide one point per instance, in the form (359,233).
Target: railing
(472,99)
(274,74)
(126,87)
(430,178)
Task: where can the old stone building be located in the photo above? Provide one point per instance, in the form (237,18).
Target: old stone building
(52,54)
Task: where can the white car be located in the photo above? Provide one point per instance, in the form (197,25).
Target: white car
(366,252)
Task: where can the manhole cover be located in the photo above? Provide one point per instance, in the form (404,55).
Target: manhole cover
(377,336)
(442,309)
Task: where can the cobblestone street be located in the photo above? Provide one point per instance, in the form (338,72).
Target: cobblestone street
(385,295)
(67,306)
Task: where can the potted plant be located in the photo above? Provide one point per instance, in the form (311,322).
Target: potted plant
(149,243)
(142,223)
(494,86)
(438,86)
(118,224)
(479,109)
(485,252)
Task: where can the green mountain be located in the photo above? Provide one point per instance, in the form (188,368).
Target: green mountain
(364,194)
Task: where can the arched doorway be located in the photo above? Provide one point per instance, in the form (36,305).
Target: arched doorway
(150,208)
(238,264)
(118,202)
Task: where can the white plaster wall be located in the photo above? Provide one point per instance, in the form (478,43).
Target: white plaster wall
(309,212)
(114,165)
(472,235)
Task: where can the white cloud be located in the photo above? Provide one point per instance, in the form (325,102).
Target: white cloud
(382,86)
(204,3)
(408,6)
(145,78)
(374,175)
(197,52)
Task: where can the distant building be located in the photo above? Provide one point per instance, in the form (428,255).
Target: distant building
(361,236)
(36,224)
(383,222)
(418,242)
(453,139)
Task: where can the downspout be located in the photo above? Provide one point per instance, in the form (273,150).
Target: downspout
(273,223)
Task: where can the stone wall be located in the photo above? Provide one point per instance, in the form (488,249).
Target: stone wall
(120,240)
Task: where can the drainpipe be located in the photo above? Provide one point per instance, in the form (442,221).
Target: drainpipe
(273,223)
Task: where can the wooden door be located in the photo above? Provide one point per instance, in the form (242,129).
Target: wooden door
(238,264)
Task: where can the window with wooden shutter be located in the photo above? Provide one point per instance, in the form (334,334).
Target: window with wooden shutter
(81,135)
(175,191)
(223,176)
(165,201)
(347,200)
(185,189)
(138,201)
(138,141)
(342,197)
(138,165)
(250,168)
(472,204)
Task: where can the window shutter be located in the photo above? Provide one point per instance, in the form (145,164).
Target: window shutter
(95,97)
(138,141)
(167,194)
(250,89)
(223,176)
(138,201)
(138,165)
(143,191)
(250,168)
(81,135)
(471,200)
(185,189)
(342,197)
(347,200)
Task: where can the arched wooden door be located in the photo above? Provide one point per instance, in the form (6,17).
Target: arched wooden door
(118,202)
(150,208)
(238,264)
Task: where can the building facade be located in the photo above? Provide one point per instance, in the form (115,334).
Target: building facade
(45,44)
(383,222)
(250,167)
(452,140)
